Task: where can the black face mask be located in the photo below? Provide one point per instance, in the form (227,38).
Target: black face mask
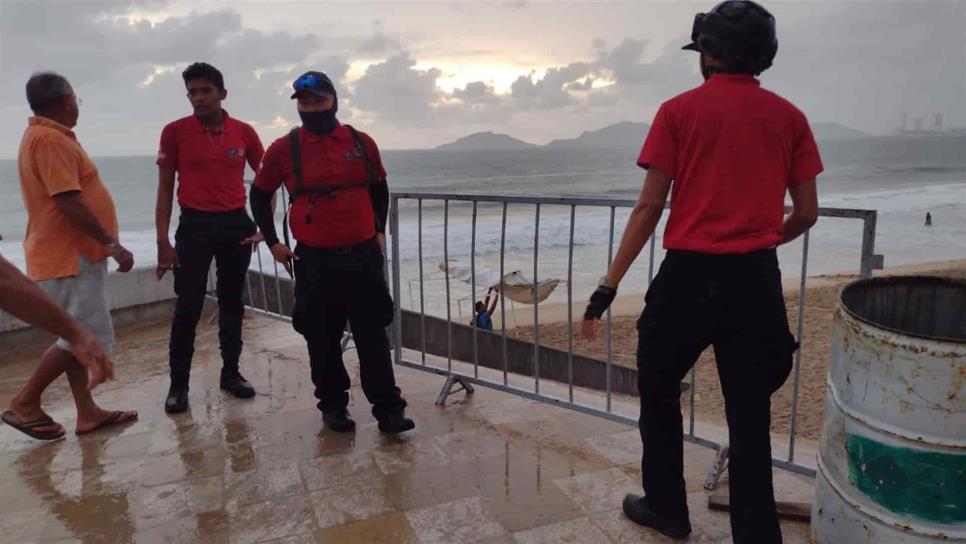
(319,122)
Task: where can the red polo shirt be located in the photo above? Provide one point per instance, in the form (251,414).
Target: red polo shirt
(733,149)
(344,219)
(210,165)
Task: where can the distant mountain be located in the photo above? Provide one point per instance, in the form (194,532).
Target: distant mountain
(622,134)
(835,131)
(486,141)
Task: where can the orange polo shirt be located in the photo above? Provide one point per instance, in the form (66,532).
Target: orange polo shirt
(51,161)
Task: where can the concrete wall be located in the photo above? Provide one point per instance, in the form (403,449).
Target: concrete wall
(587,372)
(139,297)
(137,288)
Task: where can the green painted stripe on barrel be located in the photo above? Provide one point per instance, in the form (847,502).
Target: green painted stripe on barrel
(928,485)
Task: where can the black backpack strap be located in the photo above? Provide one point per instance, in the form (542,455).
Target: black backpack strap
(293,141)
(372,176)
(293,144)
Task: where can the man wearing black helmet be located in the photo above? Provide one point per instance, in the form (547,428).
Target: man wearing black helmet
(338,206)
(727,151)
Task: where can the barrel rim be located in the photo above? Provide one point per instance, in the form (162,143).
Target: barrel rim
(860,283)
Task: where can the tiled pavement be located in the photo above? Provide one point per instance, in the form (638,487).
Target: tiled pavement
(488,468)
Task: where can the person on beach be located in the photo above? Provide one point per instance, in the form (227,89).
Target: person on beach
(484,311)
(728,151)
(928,219)
(25,300)
(71,231)
(208,151)
(338,202)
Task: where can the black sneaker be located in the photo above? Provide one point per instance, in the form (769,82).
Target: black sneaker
(237,386)
(639,511)
(395,424)
(339,422)
(177,400)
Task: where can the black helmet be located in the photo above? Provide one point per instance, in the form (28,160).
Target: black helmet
(737,31)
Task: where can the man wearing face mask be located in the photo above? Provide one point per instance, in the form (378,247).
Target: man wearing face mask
(733,150)
(338,206)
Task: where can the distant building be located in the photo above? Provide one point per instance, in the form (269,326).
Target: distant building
(919,126)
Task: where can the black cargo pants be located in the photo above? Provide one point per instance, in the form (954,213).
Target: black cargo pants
(201,237)
(333,287)
(734,303)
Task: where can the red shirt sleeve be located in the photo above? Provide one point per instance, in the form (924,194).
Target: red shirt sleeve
(168,149)
(255,152)
(271,173)
(660,147)
(806,162)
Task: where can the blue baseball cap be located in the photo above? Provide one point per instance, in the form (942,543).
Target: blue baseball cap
(314,82)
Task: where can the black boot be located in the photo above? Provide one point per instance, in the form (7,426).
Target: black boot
(235,384)
(339,422)
(177,400)
(395,423)
(639,511)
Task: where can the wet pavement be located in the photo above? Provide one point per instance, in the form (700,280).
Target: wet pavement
(489,467)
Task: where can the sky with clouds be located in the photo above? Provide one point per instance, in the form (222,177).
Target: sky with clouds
(416,75)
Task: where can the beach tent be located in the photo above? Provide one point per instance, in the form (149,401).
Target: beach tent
(516,286)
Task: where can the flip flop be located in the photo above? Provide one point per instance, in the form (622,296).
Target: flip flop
(116,418)
(27,428)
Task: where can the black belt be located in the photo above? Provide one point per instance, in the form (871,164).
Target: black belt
(338,251)
(191,213)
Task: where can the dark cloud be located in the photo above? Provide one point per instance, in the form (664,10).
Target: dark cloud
(395,90)
(549,92)
(129,73)
(580,86)
(624,62)
(477,92)
(378,43)
(857,63)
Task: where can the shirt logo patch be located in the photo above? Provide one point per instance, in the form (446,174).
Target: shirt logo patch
(236,153)
(352,154)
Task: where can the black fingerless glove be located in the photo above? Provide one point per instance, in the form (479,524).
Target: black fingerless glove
(599,302)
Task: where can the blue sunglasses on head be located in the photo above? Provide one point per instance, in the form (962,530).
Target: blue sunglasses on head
(308,81)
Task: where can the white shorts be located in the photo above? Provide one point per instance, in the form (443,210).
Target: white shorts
(84,297)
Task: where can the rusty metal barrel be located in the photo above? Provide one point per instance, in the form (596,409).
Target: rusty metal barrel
(892,459)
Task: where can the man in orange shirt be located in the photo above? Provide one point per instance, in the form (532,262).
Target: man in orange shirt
(71,230)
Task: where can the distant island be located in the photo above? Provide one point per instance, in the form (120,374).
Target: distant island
(618,135)
(623,134)
(486,141)
(835,131)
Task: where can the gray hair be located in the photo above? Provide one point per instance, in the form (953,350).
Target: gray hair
(44,89)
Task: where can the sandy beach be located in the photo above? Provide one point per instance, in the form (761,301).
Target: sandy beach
(820,300)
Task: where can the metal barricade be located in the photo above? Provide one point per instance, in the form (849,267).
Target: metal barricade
(457,380)
(463,380)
